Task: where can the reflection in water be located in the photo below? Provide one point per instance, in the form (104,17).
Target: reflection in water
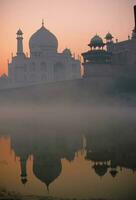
(70,163)
(110,154)
(47,151)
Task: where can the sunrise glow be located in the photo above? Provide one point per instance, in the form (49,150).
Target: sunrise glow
(73,22)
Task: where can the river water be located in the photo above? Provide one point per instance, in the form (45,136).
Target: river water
(69,153)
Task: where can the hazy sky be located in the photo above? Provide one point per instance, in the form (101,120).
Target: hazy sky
(74,22)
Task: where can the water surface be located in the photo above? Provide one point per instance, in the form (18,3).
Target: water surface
(69,153)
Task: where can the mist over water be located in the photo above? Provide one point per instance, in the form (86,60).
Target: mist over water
(99,139)
(81,117)
(66,119)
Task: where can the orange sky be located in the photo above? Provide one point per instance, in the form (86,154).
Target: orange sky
(73,22)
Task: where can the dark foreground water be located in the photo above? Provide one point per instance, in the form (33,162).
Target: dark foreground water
(78,153)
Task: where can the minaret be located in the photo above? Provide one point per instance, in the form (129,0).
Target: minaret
(19,42)
(23,175)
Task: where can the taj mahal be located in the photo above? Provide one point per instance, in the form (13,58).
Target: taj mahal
(109,59)
(45,64)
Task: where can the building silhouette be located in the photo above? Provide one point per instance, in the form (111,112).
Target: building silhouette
(45,63)
(109,58)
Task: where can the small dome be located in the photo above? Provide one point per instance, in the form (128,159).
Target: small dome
(108,36)
(19,32)
(100,169)
(113,172)
(67,52)
(96,41)
(42,40)
(24,180)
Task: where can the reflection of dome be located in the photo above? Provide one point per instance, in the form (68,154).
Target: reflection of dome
(113,172)
(24,180)
(67,52)
(96,41)
(108,36)
(42,40)
(100,169)
(47,170)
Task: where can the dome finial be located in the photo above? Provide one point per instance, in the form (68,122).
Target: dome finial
(42,22)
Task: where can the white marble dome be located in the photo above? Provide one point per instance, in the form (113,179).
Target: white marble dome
(43,40)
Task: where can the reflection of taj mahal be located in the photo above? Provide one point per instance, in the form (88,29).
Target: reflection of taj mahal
(45,64)
(47,153)
(49,150)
